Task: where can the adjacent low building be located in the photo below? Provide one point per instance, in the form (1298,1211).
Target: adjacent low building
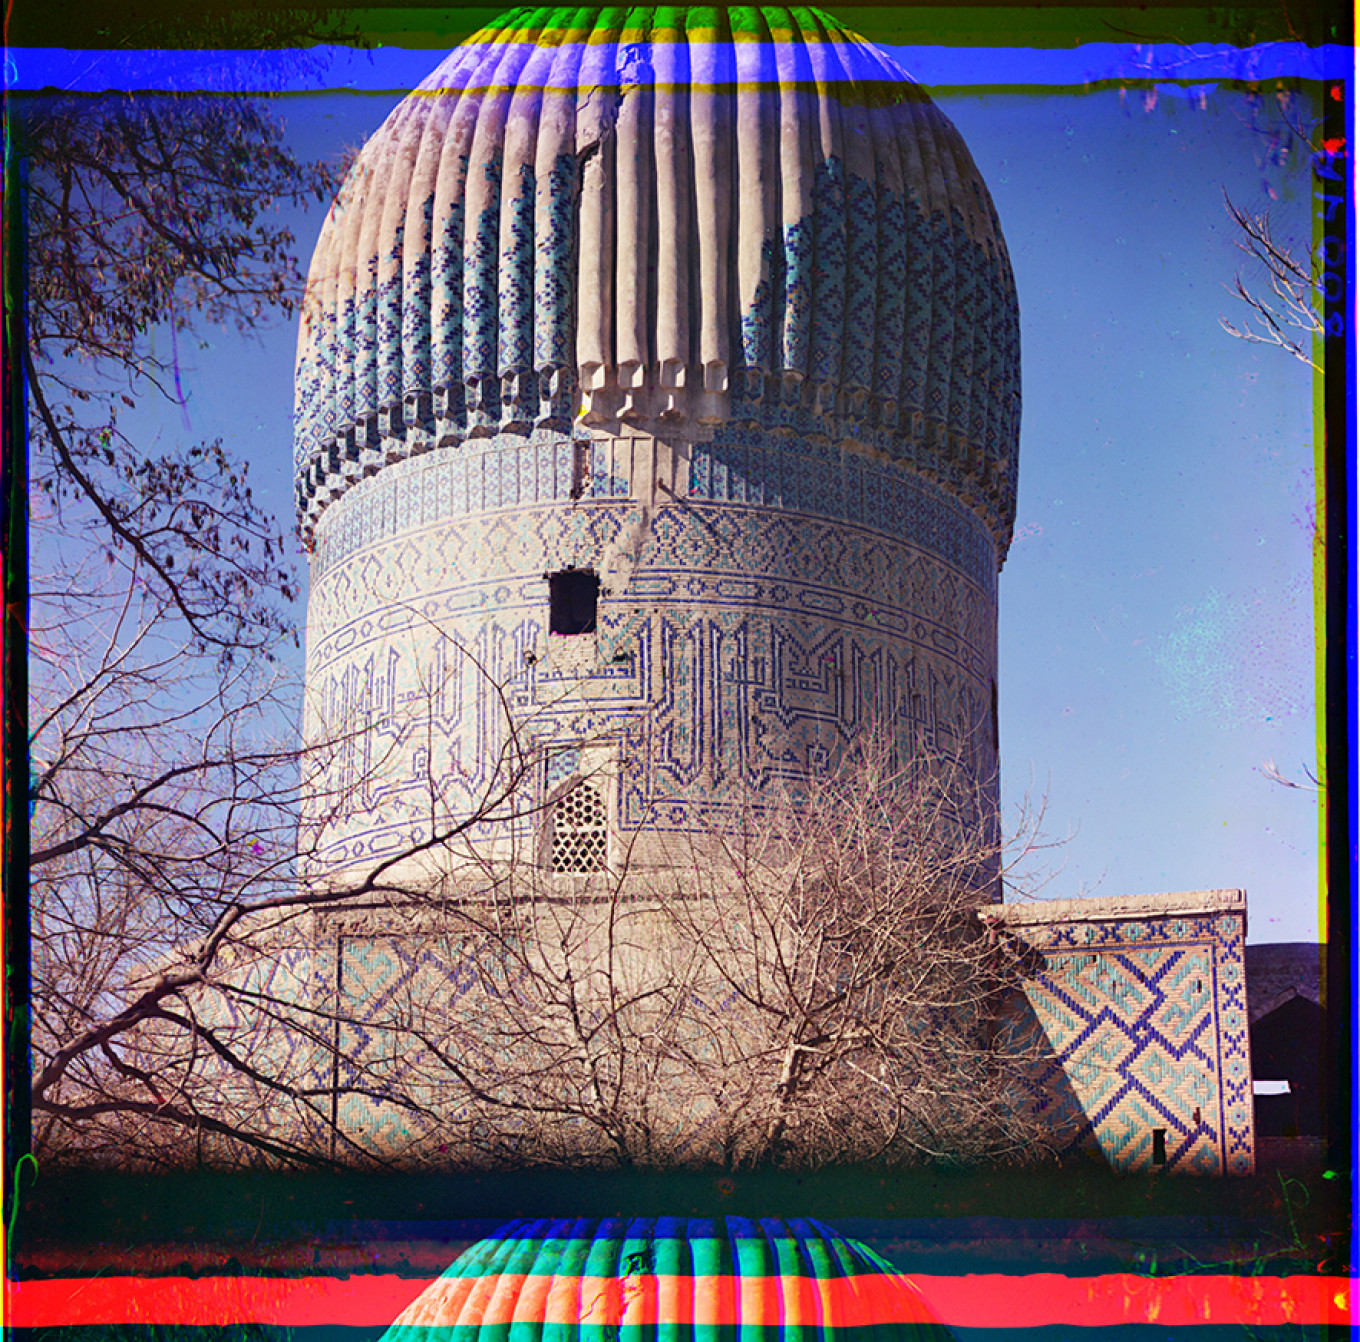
(1142,1000)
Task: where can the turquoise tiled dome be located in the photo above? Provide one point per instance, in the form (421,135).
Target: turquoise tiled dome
(674,218)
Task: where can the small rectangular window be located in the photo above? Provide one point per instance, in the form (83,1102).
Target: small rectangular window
(1159,1146)
(573,595)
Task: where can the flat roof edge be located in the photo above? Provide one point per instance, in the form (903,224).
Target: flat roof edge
(1100,908)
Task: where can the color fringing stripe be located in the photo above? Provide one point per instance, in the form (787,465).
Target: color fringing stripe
(974,1301)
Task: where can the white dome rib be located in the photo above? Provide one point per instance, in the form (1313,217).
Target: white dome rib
(763,223)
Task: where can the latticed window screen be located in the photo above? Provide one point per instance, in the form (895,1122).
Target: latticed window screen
(579,831)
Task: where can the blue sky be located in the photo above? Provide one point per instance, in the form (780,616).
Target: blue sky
(1156,608)
(1157,605)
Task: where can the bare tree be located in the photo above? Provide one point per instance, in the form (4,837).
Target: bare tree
(174,956)
(1289,311)
(159,803)
(813,983)
(867,999)
(159,589)
(817,982)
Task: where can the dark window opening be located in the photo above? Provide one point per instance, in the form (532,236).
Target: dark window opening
(573,595)
(996,722)
(1159,1146)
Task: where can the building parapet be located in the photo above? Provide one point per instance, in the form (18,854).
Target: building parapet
(1103,908)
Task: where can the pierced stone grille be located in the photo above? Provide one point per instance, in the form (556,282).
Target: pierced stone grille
(579,832)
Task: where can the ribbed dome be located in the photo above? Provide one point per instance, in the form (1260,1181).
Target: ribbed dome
(672,1278)
(673,218)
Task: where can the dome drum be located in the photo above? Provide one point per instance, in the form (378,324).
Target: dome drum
(757,608)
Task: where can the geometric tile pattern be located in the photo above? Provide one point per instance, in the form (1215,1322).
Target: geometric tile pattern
(740,465)
(380,989)
(738,643)
(1146,1019)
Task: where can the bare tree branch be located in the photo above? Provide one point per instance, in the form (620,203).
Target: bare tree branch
(1291,316)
